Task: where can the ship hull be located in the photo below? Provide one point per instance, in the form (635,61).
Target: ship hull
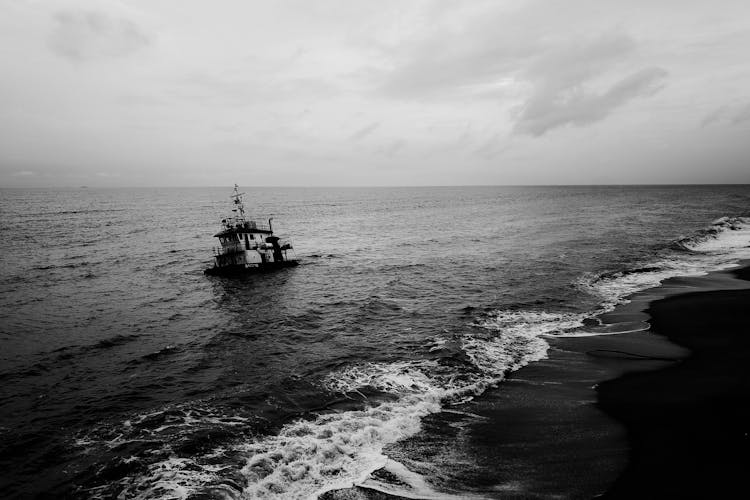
(242,269)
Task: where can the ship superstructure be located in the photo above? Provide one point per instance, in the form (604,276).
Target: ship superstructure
(246,246)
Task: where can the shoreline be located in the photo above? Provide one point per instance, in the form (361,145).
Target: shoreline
(547,429)
(688,423)
(567,426)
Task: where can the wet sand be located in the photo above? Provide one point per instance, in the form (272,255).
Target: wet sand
(544,435)
(633,415)
(539,434)
(688,424)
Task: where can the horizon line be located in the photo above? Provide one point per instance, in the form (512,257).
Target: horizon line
(360,186)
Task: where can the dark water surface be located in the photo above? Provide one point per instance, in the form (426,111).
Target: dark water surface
(125,372)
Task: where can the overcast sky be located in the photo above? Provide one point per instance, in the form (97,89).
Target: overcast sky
(377,92)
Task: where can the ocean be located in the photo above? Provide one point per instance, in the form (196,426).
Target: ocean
(125,372)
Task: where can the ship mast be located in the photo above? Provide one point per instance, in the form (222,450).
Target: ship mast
(237,196)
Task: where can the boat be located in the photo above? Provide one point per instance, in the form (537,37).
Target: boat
(247,246)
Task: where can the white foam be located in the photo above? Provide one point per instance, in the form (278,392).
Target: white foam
(599,332)
(169,476)
(411,484)
(614,290)
(306,458)
(173,478)
(515,338)
(336,450)
(720,246)
(531,324)
(397,377)
(728,235)
(340,449)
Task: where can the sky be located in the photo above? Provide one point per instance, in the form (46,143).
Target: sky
(386,92)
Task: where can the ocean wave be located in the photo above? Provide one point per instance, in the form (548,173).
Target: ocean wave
(335,449)
(321,256)
(606,329)
(33,371)
(303,460)
(723,234)
(85,211)
(332,449)
(74,265)
(114,341)
(614,288)
(714,248)
(165,453)
(162,353)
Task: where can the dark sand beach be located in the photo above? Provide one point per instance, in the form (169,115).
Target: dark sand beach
(688,424)
(681,390)
(544,435)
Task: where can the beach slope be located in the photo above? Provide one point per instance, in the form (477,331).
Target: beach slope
(688,424)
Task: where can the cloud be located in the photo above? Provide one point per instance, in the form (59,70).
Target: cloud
(741,115)
(491,45)
(727,114)
(558,107)
(561,79)
(566,63)
(84,35)
(259,85)
(450,60)
(364,132)
(714,116)
(394,148)
(491,147)
(435,73)
(545,66)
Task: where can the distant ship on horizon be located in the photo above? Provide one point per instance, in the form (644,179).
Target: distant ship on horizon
(247,247)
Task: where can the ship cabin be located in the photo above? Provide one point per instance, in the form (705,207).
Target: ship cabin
(247,245)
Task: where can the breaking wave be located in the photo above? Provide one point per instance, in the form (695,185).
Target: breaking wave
(341,447)
(335,448)
(719,246)
(726,234)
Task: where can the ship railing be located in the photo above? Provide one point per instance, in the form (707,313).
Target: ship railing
(239,246)
(246,226)
(233,248)
(250,224)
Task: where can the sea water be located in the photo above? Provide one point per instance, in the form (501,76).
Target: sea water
(126,372)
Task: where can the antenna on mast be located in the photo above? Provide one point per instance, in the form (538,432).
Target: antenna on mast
(238,201)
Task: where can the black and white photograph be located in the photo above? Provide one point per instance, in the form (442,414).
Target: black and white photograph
(374,250)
